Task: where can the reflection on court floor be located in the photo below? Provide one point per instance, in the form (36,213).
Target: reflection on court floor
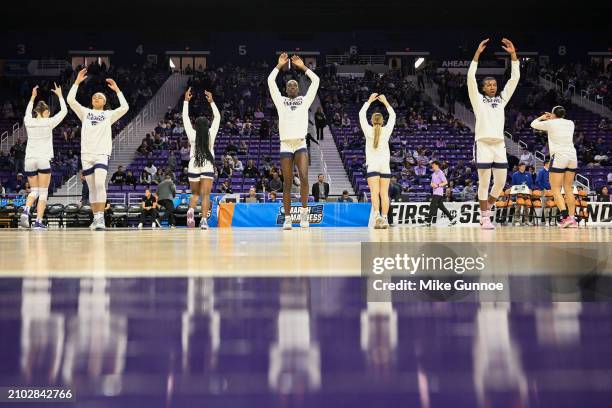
(200,341)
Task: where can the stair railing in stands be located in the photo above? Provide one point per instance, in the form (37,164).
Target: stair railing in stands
(583,181)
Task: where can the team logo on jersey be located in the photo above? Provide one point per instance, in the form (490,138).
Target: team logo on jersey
(494,102)
(293,104)
(315,214)
(95,119)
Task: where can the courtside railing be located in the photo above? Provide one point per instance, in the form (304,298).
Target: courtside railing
(586,100)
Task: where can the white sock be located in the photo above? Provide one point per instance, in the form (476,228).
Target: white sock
(26,210)
(384,217)
(98,215)
(39,220)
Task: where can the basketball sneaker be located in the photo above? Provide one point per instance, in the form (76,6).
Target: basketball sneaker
(384,224)
(453,222)
(377,222)
(485,221)
(203,224)
(568,222)
(38,225)
(100,225)
(304,217)
(287,225)
(24,221)
(190,218)
(153,225)
(140,225)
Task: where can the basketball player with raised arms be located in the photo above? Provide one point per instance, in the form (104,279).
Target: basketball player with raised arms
(563,161)
(378,157)
(96,141)
(201,172)
(292,128)
(489,146)
(39,152)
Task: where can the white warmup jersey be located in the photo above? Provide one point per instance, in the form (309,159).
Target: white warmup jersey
(207,170)
(293,113)
(40,132)
(560,141)
(96,131)
(377,159)
(489,112)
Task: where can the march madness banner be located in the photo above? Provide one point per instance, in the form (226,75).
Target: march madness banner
(412,214)
(272,215)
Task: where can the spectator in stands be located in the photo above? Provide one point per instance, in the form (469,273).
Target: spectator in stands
(185,153)
(243,148)
(276,184)
(272,197)
(252,197)
(118,177)
(610,177)
(149,207)
(448,195)
(237,164)
(184,177)
(166,190)
(18,152)
(25,190)
(604,195)
(19,183)
(231,148)
(320,189)
(542,179)
(337,120)
(225,187)
(226,170)
(345,198)
(469,192)
(262,185)
(171,164)
(420,169)
(395,190)
(440,143)
(603,124)
(264,129)
(320,122)
(145,178)
(158,177)
(144,149)
(150,168)
(130,180)
(250,171)
(526,157)
(158,143)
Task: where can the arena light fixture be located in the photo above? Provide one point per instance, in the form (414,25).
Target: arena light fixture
(172,66)
(419,62)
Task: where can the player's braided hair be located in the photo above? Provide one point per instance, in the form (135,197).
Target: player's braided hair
(202,146)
